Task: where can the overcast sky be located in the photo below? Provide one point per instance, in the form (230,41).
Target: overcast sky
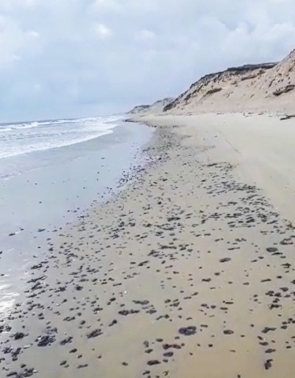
(71,58)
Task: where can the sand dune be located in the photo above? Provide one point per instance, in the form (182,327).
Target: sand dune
(256,88)
(156,107)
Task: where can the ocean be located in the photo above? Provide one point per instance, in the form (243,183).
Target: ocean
(25,137)
(50,172)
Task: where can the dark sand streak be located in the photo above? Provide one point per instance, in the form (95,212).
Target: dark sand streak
(188,272)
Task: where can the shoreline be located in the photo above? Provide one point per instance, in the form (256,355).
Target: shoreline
(186,271)
(62,185)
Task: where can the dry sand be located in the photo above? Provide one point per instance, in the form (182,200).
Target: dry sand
(187,273)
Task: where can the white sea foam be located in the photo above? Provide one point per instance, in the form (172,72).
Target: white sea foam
(7,299)
(23,138)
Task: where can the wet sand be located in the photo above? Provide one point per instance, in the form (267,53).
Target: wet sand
(188,272)
(48,189)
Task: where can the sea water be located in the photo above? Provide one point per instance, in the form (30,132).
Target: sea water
(50,172)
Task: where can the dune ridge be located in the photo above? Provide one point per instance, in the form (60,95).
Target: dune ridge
(251,87)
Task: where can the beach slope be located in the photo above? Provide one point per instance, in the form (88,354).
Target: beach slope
(188,272)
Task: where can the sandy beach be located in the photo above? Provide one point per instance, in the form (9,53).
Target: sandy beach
(187,272)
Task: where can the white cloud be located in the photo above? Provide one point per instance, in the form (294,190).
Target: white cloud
(33,34)
(145,36)
(102,31)
(13,4)
(12,39)
(37,87)
(115,53)
(31,3)
(105,4)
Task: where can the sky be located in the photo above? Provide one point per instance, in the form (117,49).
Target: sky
(79,58)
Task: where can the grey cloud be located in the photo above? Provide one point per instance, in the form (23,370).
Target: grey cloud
(84,57)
